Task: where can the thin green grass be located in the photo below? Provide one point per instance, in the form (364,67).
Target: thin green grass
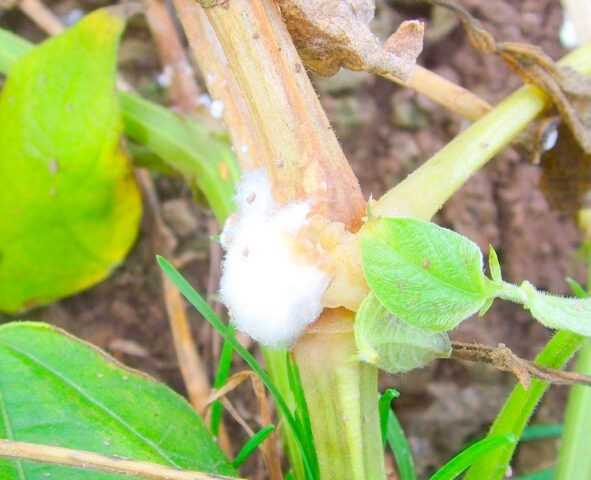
(252,444)
(222,373)
(394,436)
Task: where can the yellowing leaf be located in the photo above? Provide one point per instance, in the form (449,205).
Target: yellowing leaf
(69,204)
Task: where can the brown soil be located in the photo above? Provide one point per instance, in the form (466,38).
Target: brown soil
(386,132)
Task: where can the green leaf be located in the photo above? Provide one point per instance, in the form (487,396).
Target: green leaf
(560,313)
(69,203)
(471,455)
(393,345)
(185,145)
(58,390)
(428,276)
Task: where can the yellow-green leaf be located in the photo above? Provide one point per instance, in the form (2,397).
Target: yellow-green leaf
(69,204)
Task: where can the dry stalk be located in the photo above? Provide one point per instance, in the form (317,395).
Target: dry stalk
(502,358)
(184,91)
(221,83)
(96,462)
(41,15)
(190,363)
(446,93)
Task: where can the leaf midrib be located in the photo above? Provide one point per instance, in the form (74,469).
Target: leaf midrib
(77,389)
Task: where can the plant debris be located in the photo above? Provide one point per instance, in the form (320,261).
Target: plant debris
(570,92)
(333,34)
(502,358)
(566,173)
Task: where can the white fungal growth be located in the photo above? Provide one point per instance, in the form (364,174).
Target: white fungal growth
(272,294)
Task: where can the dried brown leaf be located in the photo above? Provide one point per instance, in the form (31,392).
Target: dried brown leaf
(333,34)
(566,173)
(570,92)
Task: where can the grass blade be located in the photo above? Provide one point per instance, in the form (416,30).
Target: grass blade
(400,448)
(384,409)
(222,373)
(252,444)
(470,455)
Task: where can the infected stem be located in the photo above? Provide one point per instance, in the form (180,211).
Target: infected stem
(300,151)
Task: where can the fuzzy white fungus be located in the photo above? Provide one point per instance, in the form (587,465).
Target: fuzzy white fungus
(272,294)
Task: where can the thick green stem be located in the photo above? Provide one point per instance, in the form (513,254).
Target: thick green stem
(343,394)
(423,192)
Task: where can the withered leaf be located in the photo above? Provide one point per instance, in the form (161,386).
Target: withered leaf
(570,92)
(566,173)
(332,34)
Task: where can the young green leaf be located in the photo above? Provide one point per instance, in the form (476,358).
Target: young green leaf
(560,313)
(58,390)
(494,266)
(69,203)
(428,276)
(393,345)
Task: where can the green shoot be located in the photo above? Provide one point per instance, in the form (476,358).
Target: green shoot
(394,436)
(472,454)
(252,444)
(384,408)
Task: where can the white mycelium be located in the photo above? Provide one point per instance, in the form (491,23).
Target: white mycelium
(271,292)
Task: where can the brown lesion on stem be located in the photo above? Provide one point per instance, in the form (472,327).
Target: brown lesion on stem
(502,358)
(299,148)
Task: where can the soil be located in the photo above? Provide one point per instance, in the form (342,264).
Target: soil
(386,131)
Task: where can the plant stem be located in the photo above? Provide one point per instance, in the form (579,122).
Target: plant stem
(423,192)
(300,151)
(342,393)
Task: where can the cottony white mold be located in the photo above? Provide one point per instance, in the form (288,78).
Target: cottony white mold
(271,295)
